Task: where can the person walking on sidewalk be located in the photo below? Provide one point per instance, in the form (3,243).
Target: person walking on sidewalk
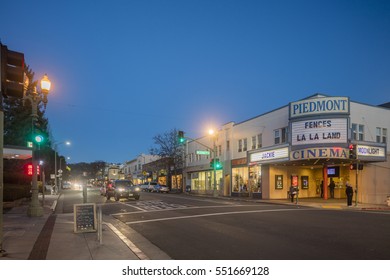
(331,188)
(349,193)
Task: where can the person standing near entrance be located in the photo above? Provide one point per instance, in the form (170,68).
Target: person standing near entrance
(349,193)
(331,187)
(293,193)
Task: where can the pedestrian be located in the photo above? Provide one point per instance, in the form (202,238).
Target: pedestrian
(322,188)
(331,188)
(293,192)
(349,193)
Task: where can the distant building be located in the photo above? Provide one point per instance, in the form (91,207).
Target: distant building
(132,169)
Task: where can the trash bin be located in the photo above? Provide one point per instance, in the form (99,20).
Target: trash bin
(188,188)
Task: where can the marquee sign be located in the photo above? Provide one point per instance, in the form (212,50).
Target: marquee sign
(269,155)
(319,131)
(321,105)
(370,151)
(318,153)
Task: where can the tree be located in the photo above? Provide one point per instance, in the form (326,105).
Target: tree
(18,126)
(169,148)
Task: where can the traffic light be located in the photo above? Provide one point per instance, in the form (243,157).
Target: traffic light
(38,138)
(354,166)
(181,138)
(38,135)
(218,164)
(352,151)
(215,163)
(12,72)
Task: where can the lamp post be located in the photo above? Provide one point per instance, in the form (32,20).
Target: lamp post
(213,134)
(55,164)
(34,209)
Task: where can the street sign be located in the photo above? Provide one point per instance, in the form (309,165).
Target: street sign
(200,152)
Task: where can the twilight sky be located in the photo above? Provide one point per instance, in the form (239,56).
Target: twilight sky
(123,71)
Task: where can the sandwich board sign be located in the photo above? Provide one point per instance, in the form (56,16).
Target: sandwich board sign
(84,217)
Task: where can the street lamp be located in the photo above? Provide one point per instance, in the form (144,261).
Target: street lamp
(34,209)
(214,135)
(55,163)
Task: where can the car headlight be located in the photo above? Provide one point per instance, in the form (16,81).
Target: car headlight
(121,189)
(137,189)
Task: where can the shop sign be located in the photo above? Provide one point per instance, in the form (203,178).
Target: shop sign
(318,153)
(370,151)
(239,161)
(269,155)
(321,105)
(319,131)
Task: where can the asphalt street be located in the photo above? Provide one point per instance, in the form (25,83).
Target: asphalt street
(190,227)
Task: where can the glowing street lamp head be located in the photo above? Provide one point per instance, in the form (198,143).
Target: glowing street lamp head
(45,84)
(211,131)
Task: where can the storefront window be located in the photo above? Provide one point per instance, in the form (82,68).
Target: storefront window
(240,179)
(204,181)
(255,179)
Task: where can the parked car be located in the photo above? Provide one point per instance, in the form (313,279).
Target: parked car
(151,186)
(144,187)
(122,189)
(161,188)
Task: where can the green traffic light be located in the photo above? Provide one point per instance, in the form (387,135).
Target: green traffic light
(181,137)
(38,139)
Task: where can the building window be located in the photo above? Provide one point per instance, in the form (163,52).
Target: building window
(277,136)
(220,150)
(243,145)
(254,141)
(281,135)
(284,134)
(381,135)
(259,140)
(227,145)
(357,132)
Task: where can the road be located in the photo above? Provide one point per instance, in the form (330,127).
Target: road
(190,227)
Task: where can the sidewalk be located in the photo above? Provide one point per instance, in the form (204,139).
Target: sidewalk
(51,236)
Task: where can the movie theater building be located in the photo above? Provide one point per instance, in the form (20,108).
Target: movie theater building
(305,144)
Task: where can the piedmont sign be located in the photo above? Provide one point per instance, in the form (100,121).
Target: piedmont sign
(321,105)
(319,131)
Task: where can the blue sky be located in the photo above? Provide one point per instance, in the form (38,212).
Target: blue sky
(125,71)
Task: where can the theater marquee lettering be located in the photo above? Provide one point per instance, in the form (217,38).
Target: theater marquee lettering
(319,153)
(319,131)
(322,105)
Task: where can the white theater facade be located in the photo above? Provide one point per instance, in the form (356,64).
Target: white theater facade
(304,144)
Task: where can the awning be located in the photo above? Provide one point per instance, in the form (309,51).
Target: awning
(16,152)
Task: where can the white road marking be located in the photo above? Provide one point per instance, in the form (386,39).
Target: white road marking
(214,214)
(185,208)
(128,243)
(131,205)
